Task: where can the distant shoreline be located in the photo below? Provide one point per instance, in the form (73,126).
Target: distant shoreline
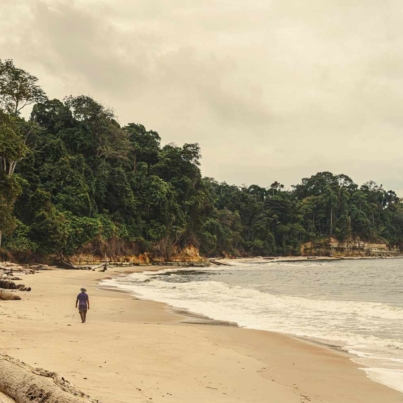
(278,259)
(291,259)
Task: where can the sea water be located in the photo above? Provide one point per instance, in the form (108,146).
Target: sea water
(354,305)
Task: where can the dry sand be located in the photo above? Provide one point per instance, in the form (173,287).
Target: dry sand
(140,351)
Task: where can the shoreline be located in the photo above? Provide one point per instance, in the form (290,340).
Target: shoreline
(190,317)
(200,319)
(187,316)
(296,259)
(137,350)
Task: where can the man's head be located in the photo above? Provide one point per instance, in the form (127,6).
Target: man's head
(83,290)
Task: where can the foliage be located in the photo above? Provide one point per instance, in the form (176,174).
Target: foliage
(275,221)
(12,145)
(9,190)
(83,181)
(17,88)
(20,244)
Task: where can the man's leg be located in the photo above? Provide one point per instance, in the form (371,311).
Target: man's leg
(82,316)
(85,315)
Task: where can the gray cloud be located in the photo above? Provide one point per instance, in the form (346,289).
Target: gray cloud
(272,90)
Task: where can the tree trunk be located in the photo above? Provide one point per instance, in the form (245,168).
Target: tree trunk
(25,384)
(64,265)
(5,399)
(218,263)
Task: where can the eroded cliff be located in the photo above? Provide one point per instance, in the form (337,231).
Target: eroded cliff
(350,248)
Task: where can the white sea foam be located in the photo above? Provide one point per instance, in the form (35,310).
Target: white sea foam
(389,377)
(370,330)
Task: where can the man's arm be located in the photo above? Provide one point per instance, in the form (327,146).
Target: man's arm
(88,303)
(76,302)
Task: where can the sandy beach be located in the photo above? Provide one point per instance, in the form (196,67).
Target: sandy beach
(132,350)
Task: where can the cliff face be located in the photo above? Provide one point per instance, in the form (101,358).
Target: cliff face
(189,254)
(350,248)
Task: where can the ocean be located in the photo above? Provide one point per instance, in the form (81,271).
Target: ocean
(353,305)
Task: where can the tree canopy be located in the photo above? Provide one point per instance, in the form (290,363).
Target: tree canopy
(18,88)
(72,179)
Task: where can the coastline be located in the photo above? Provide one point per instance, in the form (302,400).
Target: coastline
(313,259)
(137,350)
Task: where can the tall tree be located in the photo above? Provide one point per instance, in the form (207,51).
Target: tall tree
(12,150)
(18,88)
(12,145)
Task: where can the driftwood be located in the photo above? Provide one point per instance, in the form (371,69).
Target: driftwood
(10,285)
(5,399)
(39,267)
(61,264)
(65,265)
(218,263)
(25,384)
(8,296)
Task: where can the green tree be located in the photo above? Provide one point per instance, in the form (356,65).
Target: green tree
(12,150)
(9,191)
(18,88)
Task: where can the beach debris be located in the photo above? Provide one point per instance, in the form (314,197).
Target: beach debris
(12,271)
(5,399)
(61,264)
(217,263)
(65,265)
(39,267)
(26,384)
(10,285)
(8,296)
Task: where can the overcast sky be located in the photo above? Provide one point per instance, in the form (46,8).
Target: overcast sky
(270,89)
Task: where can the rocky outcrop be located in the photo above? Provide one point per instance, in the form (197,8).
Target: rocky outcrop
(10,285)
(350,248)
(189,254)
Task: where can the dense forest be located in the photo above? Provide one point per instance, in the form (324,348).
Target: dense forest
(73,179)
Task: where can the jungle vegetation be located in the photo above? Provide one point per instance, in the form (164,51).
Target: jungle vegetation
(73,179)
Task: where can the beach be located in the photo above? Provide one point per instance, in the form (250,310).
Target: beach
(133,350)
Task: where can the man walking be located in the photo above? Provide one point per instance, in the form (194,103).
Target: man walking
(83,303)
